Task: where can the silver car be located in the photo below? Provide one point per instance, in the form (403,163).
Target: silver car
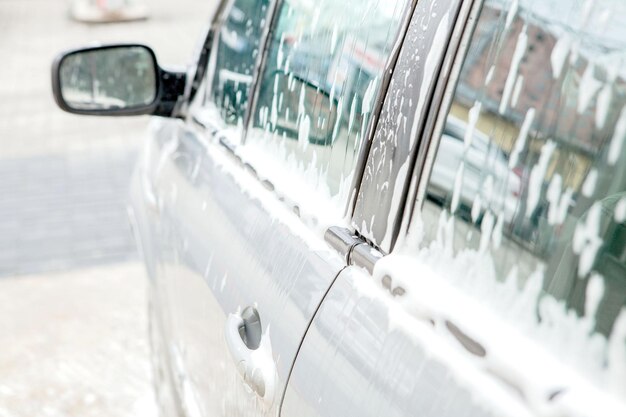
(381,208)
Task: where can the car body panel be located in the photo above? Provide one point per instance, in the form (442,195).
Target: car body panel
(406,339)
(504,345)
(366,355)
(225,243)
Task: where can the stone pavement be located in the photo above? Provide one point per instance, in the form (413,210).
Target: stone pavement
(64,211)
(63,178)
(72,305)
(74,344)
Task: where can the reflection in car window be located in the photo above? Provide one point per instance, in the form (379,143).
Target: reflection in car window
(236,55)
(323,72)
(529,181)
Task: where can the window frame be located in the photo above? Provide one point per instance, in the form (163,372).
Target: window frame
(448,73)
(211,43)
(435,124)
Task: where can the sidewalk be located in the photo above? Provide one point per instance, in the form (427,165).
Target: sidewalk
(75,344)
(64,178)
(64,211)
(72,291)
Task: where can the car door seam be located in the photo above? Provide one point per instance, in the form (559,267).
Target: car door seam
(306,331)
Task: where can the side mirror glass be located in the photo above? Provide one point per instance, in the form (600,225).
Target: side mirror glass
(118,79)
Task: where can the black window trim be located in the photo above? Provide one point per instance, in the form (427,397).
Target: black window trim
(366,207)
(205,61)
(440,105)
(209,62)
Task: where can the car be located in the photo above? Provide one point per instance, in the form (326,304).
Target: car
(475,180)
(366,208)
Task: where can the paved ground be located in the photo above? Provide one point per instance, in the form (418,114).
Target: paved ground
(74,344)
(63,178)
(64,211)
(72,307)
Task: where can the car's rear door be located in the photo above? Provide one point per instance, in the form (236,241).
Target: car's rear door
(364,355)
(504,292)
(246,189)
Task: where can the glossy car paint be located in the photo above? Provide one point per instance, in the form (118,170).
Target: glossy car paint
(364,355)
(216,241)
(224,244)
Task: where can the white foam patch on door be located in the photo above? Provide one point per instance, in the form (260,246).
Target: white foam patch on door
(518,54)
(531,340)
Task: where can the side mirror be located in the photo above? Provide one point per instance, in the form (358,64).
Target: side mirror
(115,80)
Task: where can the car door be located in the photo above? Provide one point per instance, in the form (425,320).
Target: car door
(506,298)
(245,190)
(363,355)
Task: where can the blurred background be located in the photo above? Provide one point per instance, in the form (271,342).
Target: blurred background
(73,329)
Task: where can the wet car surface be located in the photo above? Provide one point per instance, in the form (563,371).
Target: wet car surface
(398,208)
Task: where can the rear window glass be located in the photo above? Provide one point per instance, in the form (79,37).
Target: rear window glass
(528,186)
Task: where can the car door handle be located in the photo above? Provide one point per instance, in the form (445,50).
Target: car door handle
(254,362)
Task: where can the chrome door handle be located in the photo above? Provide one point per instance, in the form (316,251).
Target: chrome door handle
(253,360)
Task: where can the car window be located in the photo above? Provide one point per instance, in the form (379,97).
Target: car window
(236,52)
(323,71)
(528,186)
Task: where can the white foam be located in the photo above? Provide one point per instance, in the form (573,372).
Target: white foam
(532,341)
(473,116)
(554,196)
(589,87)
(559,54)
(595,292)
(537,176)
(520,143)
(603,104)
(620,211)
(518,54)
(587,240)
(511,14)
(304,132)
(519,84)
(352,113)
(489,76)
(458,184)
(368,97)
(589,186)
(617,141)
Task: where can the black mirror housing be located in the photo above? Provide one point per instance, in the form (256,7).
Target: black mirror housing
(116,80)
